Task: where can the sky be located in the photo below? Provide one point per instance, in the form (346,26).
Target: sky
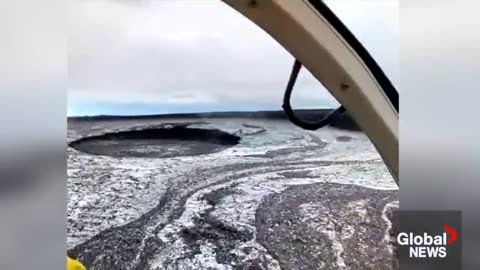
(129,57)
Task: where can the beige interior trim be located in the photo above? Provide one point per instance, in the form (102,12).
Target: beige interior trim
(301,30)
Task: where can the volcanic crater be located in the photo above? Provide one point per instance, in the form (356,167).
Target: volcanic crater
(160,142)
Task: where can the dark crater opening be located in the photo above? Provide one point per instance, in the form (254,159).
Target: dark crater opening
(157,142)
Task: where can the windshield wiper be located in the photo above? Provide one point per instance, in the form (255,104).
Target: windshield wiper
(326,120)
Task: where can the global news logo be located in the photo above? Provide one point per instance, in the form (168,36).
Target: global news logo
(426,245)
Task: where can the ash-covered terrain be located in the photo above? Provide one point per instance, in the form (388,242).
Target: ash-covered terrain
(226,193)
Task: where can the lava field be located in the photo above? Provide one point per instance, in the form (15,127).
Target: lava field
(226,193)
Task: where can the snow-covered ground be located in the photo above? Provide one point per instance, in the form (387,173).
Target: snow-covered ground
(221,210)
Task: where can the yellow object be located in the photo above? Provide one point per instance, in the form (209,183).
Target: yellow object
(74,264)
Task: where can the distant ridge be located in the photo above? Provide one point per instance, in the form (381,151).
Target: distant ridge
(227,114)
(343,122)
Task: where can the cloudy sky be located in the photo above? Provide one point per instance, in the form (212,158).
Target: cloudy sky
(168,56)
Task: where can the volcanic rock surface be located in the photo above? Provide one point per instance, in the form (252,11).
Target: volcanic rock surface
(226,194)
